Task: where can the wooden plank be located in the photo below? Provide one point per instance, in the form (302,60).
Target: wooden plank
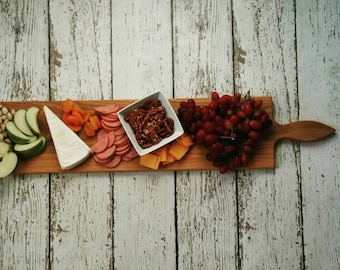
(206,200)
(81,205)
(24,199)
(264,156)
(318,47)
(144,219)
(269,206)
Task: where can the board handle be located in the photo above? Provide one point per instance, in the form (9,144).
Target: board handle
(304,131)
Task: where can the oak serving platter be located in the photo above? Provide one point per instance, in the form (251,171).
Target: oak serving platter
(263,158)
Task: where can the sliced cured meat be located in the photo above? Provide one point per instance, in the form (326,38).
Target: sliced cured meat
(122,141)
(114,162)
(111,125)
(109,117)
(132,153)
(100,145)
(123,150)
(101,133)
(119,131)
(102,160)
(107,109)
(112,137)
(107,153)
(118,137)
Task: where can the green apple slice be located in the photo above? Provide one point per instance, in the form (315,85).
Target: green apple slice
(28,149)
(16,135)
(32,120)
(4,148)
(34,151)
(21,123)
(8,163)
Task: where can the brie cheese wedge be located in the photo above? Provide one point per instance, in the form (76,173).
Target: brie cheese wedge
(70,148)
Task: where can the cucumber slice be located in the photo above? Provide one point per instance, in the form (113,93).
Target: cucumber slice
(28,148)
(16,135)
(32,120)
(20,122)
(8,163)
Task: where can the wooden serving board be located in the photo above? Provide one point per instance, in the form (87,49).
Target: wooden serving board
(263,158)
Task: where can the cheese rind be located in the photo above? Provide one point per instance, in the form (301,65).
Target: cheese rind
(70,148)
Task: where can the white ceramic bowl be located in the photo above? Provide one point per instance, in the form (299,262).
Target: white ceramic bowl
(178,129)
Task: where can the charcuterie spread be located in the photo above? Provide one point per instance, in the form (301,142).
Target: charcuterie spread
(221,132)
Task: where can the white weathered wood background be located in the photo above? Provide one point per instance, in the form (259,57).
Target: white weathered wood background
(285,218)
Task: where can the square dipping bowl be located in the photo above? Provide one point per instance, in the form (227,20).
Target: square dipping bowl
(178,129)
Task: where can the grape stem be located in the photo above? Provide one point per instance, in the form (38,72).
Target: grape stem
(227,137)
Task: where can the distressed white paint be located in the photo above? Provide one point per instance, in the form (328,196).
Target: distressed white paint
(24,76)
(318,48)
(81,204)
(269,200)
(206,201)
(286,218)
(144,220)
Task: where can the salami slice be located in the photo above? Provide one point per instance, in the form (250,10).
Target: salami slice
(107,153)
(122,141)
(102,160)
(107,109)
(100,145)
(122,150)
(111,124)
(109,117)
(114,162)
(101,133)
(119,131)
(112,138)
(132,153)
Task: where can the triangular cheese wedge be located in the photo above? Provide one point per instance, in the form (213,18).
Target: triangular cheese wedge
(71,149)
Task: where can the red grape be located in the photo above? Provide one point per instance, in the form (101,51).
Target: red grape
(248,109)
(214,96)
(255,124)
(258,103)
(208,127)
(228,127)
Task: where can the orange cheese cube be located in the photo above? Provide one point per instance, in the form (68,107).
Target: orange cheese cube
(186,140)
(161,152)
(178,150)
(150,160)
(169,158)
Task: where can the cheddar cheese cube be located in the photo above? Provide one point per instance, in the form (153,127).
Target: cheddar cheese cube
(150,160)
(178,150)
(162,153)
(186,140)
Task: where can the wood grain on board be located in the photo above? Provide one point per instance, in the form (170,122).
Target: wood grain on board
(47,162)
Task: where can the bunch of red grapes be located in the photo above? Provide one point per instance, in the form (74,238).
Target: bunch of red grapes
(228,127)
